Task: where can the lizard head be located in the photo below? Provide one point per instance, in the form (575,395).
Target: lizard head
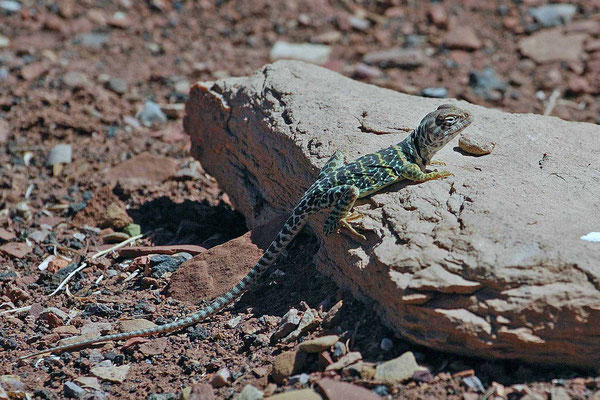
(438,128)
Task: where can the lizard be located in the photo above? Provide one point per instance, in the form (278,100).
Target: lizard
(337,187)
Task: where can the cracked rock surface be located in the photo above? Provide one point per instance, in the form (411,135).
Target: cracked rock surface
(489,262)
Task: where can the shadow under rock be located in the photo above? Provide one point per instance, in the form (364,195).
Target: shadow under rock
(189,222)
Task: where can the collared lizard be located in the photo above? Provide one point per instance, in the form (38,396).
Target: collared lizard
(337,187)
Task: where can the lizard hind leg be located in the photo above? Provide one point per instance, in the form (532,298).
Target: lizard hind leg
(346,195)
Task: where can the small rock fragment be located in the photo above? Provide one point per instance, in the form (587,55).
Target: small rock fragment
(487,84)
(364,71)
(288,324)
(116,374)
(336,390)
(249,392)
(115,216)
(6,235)
(435,92)
(161,264)
(358,23)
(552,45)
(346,360)
(154,347)
(233,322)
(339,350)
(4,129)
(553,14)
(396,58)
(386,344)
(117,85)
(60,154)
(119,20)
(173,111)
(438,15)
(9,6)
(72,390)
(132,230)
(286,364)
(560,393)
(75,79)
(16,249)
(4,42)
(303,394)
(475,145)
(319,344)
(90,382)
(332,315)
(115,237)
(307,322)
(129,325)
(200,391)
(397,370)
(474,383)
(462,38)
(151,114)
(221,378)
(143,169)
(302,379)
(312,53)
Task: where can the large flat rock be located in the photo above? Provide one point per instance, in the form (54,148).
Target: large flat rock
(487,263)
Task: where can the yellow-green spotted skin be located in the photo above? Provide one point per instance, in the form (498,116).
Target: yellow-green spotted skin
(337,187)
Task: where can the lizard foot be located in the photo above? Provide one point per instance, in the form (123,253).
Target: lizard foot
(344,223)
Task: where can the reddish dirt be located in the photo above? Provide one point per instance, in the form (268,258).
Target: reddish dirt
(76,73)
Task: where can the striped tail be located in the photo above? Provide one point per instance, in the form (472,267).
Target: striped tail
(291,228)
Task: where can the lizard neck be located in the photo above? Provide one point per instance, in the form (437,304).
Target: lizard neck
(415,151)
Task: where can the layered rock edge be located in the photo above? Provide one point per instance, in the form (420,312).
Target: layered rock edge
(488,263)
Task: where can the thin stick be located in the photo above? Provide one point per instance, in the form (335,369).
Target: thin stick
(15,310)
(98,254)
(552,101)
(117,246)
(64,282)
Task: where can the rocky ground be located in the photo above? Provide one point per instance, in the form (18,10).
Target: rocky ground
(93,152)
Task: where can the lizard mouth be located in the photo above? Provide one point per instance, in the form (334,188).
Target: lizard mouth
(459,126)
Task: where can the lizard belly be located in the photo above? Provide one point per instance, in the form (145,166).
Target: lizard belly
(376,187)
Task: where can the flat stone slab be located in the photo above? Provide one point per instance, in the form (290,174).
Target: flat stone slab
(489,262)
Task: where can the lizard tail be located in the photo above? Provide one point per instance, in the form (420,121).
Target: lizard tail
(291,228)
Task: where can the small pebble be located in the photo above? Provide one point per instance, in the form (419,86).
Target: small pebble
(435,92)
(72,390)
(233,322)
(249,392)
(553,14)
(4,41)
(133,230)
(117,85)
(386,344)
(301,379)
(339,350)
(151,114)
(475,145)
(221,378)
(60,154)
(358,23)
(474,383)
(9,7)
(308,52)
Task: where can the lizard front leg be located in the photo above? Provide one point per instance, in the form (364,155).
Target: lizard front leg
(413,172)
(344,197)
(335,161)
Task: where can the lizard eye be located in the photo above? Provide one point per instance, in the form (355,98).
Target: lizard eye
(449,120)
